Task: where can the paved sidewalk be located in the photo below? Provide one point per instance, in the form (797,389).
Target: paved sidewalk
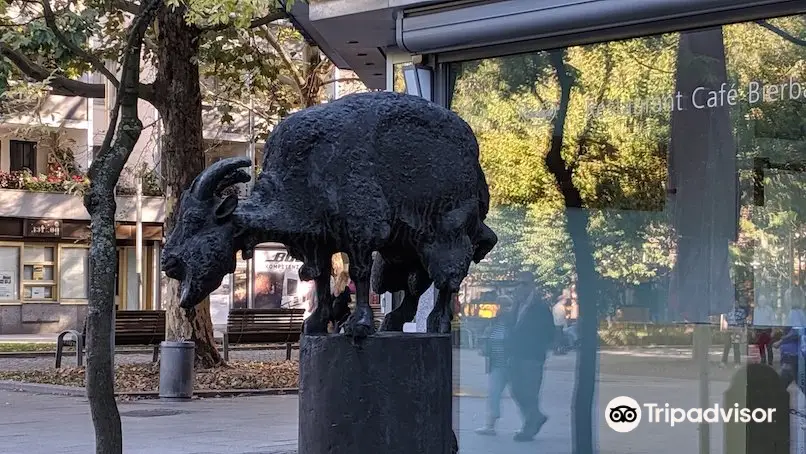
(35,424)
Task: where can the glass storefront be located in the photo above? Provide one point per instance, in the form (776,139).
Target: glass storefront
(658,184)
(50,273)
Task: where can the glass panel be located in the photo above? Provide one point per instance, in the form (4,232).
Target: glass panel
(38,272)
(38,254)
(132,290)
(38,292)
(74,273)
(220,302)
(9,272)
(276,281)
(240,285)
(655,185)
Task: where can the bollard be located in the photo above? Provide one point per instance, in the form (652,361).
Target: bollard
(176,370)
(758,386)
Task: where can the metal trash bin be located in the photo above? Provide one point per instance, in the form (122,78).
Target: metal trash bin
(176,370)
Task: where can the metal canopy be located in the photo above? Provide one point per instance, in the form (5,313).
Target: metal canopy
(491,23)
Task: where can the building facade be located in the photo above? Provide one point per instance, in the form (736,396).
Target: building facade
(44,227)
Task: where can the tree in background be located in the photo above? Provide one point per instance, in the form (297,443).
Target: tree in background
(199,50)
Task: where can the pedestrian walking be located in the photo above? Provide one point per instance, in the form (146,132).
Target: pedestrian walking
(497,362)
(532,338)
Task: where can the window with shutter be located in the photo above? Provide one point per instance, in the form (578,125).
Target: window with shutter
(22,155)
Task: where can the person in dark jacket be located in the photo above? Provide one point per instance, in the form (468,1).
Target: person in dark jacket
(530,340)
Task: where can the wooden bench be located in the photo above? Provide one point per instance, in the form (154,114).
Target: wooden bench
(131,328)
(263,326)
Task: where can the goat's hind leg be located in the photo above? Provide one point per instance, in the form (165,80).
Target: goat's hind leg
(361,322)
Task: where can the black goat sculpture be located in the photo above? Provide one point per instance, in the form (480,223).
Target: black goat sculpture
(379,171)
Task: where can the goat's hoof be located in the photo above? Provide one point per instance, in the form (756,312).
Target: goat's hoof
(359,329)
(313,328)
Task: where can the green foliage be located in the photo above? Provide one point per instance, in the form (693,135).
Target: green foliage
(619,159)
(27,32)
(55,182)
(232,49)
(647,335)
(238,13)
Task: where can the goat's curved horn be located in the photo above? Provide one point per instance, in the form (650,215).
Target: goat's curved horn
(205,185)
(233,178)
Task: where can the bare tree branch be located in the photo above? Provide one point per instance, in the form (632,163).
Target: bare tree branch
(126,6)
(298,80)
(112,156)
(94,61)
(256,23)
(64,85)
(782,33)
(213,94)
(341,79)
(61,85)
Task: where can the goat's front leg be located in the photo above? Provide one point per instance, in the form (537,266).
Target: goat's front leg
(360,324)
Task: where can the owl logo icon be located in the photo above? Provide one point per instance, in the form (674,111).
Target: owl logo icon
(623,414)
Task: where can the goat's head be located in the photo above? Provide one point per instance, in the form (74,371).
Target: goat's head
(201,249)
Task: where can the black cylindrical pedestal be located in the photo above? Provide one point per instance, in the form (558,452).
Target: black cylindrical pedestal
(389,394)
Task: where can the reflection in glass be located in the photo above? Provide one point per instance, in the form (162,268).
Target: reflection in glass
(74,273)
(653,186)
(240,297)
(9,273)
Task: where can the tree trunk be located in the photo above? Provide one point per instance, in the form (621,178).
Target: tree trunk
(100,373)
(577,226)
(179,102)
(100,203)
(703,182)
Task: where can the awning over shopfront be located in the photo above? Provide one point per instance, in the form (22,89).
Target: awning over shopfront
(490,23)
(359,34)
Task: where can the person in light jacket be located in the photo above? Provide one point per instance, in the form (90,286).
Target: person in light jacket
(497,362)
(793,340)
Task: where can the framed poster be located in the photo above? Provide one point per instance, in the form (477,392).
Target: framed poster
(8,285)
(38,273)
(277,282)
(37,293)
